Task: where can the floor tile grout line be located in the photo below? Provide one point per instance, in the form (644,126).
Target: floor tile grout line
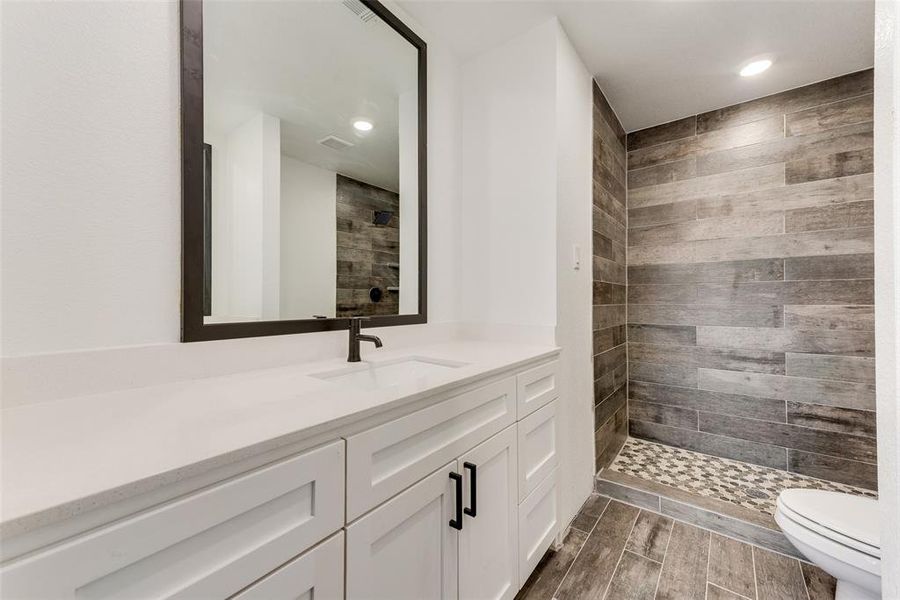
(729,591)
(577,554)
(755,579)
(621,554)
(663,563)
(722,586)
(639,555)
(582,530)
(708,560)
(803,579)
(659,562)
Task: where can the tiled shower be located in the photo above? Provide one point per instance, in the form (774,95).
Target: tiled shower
(733,283)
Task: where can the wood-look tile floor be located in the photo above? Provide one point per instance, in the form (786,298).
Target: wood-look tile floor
(615,551)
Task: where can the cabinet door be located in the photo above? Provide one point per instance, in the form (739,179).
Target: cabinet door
(406,549)
(538,524)
(488,541)
(317,574)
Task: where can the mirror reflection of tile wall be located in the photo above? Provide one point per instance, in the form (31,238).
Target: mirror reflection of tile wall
(368,249)
(310,117)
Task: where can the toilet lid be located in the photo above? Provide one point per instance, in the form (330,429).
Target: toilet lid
(853,517)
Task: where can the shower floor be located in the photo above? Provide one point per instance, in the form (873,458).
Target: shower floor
(729,497)
(750,486)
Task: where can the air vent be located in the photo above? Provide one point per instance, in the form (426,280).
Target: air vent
(360,10)
(335,143)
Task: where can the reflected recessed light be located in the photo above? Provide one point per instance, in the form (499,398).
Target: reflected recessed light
(362,125)
(755,68)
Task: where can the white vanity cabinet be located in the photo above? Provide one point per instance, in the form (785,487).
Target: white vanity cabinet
(455,500)
(209,544)
(434,540)
(453,534)
(389,458)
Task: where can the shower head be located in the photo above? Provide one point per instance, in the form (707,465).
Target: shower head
(382,217)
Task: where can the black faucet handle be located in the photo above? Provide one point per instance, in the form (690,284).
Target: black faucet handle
(355,325)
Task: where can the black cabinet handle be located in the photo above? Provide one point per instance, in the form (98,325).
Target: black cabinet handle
(473,490)
(457,522)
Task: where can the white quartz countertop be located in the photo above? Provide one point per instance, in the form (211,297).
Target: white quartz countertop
(65,457)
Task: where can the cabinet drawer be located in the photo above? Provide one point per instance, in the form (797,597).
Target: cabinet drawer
(391,457)
(211,543)
(538,525)
(537,448)
(536,387)
(317,574)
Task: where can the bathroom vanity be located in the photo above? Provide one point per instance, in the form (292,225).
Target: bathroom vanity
(425,474)
(429,472)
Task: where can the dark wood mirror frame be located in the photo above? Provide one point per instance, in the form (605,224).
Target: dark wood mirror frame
(192,181)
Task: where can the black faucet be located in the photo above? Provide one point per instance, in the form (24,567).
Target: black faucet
(356,337)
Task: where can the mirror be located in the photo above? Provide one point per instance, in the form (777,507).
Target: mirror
(304,170)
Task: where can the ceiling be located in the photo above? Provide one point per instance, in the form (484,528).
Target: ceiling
(318,67)
(660,60)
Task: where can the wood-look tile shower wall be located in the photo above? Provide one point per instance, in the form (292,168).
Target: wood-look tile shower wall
(609,222)
(368,254)
(750,282)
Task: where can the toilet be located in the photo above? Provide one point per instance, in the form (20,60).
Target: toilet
(839,533)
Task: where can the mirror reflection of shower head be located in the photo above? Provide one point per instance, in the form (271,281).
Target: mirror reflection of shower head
(382,217)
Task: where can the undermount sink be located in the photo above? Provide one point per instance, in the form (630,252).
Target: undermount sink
(389,373)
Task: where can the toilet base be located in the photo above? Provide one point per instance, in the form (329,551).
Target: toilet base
(850,591)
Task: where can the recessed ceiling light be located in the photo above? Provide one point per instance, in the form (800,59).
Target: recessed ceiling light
(755,68)
(362,125)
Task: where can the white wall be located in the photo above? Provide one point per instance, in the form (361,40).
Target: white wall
(91,218)
(574,144)
(526,201)
(887,285)
(509,182)
(250,193)
(308,240)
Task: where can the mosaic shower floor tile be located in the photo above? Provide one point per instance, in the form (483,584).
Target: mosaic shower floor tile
(750,486)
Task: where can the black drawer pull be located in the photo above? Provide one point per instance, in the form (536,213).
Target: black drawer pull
(473,490)
(457,522)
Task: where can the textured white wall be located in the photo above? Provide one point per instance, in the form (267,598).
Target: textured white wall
(574,118)
(887,285)
(91,175)
(509,182)
(526,201)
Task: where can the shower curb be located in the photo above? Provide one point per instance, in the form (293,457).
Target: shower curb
(721,517)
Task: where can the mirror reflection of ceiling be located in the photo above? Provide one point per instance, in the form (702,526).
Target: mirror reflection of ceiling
(317,66)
